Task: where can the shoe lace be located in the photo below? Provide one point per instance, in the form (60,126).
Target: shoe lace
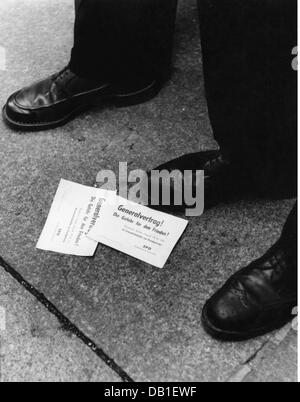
(58,79)
(216,163)
(273,260)
(61,74)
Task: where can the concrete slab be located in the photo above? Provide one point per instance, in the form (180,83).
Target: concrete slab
(276,363)
(34,347)
(148,320)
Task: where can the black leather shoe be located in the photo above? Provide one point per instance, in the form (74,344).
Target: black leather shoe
(223,180)
(56,100)
(258,299)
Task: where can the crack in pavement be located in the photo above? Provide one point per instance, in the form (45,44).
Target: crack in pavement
(255,354)
(65,322)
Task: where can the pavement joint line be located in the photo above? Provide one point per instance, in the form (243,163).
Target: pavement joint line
(241,374)
(65,322)
(282,334)
(257,352)
(244,369)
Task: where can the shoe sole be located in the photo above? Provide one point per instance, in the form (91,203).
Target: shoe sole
(233,336)
(118,100)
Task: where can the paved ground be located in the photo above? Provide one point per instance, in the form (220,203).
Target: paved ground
(147,320)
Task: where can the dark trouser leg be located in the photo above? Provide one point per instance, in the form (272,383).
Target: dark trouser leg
(77,4)
(124,39)
(251,86)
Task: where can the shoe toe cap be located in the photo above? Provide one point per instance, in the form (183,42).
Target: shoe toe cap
(15,111)
(226,312)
